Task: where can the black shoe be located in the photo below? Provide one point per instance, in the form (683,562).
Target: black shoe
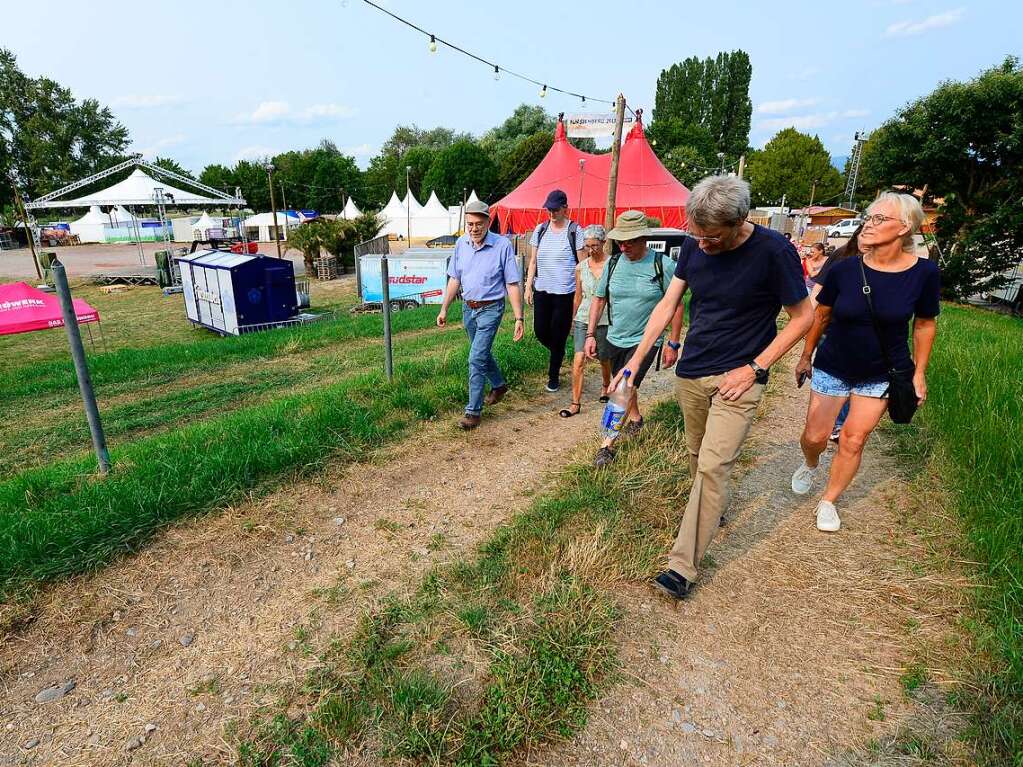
(673,584)
(603,457)
(553,386)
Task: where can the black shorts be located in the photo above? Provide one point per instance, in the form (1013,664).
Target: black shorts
(619,357)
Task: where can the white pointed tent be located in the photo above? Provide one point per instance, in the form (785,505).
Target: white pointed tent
(432,220)
(89,228)
(261,226)
(472,197)
(201,228)
(351,210)
(120,216)
(412,203)
(394,216)
(138,189)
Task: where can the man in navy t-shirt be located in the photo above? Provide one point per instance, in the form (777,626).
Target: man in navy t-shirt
(740,275)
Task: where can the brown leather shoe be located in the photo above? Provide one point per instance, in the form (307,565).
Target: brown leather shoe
(495,395)
(469,422)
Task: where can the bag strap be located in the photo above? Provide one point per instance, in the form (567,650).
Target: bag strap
(659,269)
(610,271)
(873,317)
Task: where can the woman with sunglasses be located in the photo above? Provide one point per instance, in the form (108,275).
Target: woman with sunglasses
(587,275)
(850,364)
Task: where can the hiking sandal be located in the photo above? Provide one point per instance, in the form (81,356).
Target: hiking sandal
(566,413)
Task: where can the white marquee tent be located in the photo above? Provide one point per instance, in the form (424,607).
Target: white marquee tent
(263,223)
(89,227)
(351,210)
(432,220)
(394,216)
(201,228)
(138,189)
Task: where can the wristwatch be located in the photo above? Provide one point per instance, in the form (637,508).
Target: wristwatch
(759,373)
(519,319)
(675,345)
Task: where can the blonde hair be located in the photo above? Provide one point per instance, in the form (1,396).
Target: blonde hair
(910,212)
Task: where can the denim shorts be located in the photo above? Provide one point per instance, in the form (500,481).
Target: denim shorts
(833,386)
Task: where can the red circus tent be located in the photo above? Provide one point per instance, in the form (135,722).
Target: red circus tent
(24,308)
(643,184)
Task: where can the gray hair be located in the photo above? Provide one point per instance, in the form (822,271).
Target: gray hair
(910,212)
(594,232)
(718,201)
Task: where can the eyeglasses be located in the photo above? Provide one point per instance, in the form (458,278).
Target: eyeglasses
(475,224)
(876,219)
(711,240)
(595,246)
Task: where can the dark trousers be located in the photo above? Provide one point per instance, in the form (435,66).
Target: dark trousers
(552,322)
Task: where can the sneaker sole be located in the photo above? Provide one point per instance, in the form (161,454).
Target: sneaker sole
(804,491)
(668,592)
(829,528)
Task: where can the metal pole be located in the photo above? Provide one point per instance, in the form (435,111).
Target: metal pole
(386,296)
(408,205)
(28,230)
(241,221)
(742,165)
(67,309)
(582,177)
(273,207)
(284,204)
(138,235)
(612,181)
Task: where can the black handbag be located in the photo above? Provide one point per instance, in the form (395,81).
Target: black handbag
(902,399)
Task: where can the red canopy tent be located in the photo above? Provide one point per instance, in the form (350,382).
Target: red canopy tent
(24,309)
(643,184)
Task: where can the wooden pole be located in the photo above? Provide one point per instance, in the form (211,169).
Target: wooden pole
(28,230)
(742,165)
(273,207)
(612,180)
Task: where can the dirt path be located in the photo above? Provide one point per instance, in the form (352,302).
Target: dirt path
(201,627)
(790,651)
(792,640)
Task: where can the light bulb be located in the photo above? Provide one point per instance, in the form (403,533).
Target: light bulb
(543,92)
(433,44)
(497,72)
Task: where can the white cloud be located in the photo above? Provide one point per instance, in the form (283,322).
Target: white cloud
(254,153)
(362,150)
(909,28)
(276,112)
(146,101)
(786,105)
(808,121)
(149,152)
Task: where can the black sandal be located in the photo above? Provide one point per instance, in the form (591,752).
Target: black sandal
(604,397)
(566,413)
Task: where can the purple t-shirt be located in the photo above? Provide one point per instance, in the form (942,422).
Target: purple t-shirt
(484,272)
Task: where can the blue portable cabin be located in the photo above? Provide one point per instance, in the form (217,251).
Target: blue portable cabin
(227,292)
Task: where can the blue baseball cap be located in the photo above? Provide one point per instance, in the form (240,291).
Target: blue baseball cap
(556,199)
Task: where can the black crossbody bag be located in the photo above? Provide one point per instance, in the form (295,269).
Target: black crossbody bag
(902,401)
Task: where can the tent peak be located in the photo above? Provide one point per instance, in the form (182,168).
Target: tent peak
(560,134)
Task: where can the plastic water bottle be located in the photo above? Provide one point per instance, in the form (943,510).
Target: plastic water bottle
(617,404)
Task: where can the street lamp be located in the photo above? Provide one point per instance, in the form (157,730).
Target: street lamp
(269,166)
(721,159)
(408,205)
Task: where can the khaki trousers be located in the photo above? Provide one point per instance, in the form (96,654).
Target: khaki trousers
(715,430)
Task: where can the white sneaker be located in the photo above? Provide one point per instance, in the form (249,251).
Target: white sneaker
(803,479)
(827,517)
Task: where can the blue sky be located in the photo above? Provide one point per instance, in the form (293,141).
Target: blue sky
(205,82)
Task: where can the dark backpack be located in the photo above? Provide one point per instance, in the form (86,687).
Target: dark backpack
(658,275)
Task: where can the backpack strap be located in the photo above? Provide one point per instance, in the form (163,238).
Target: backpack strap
(541,230)
(659,269)
(610,272)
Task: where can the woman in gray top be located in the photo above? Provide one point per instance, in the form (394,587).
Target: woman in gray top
(587,274)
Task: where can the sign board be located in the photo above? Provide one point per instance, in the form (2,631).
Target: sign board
(419,279)
(594,125)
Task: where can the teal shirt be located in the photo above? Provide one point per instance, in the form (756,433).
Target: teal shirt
(635,292)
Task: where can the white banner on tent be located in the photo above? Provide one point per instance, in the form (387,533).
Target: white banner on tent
(594,125)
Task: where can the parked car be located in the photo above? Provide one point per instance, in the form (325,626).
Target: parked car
(844,228)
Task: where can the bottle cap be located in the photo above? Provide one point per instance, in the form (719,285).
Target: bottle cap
(626,373)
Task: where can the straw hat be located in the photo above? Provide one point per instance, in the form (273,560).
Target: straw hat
(630,225)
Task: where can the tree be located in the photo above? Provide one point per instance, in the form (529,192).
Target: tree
(524,123)
(171,165)
(789,165)
(47,138)
(419,158)
(686,164)
(314,236)
(463,165)
(712,94)
(219,177)
(522,160)
(964,141)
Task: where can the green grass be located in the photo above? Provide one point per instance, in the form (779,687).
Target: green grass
(499,651)
(61,518)
(971,436)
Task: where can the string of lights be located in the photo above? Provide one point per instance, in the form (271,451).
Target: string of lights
(498,70)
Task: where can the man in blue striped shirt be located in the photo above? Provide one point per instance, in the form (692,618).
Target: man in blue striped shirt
(485,268)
